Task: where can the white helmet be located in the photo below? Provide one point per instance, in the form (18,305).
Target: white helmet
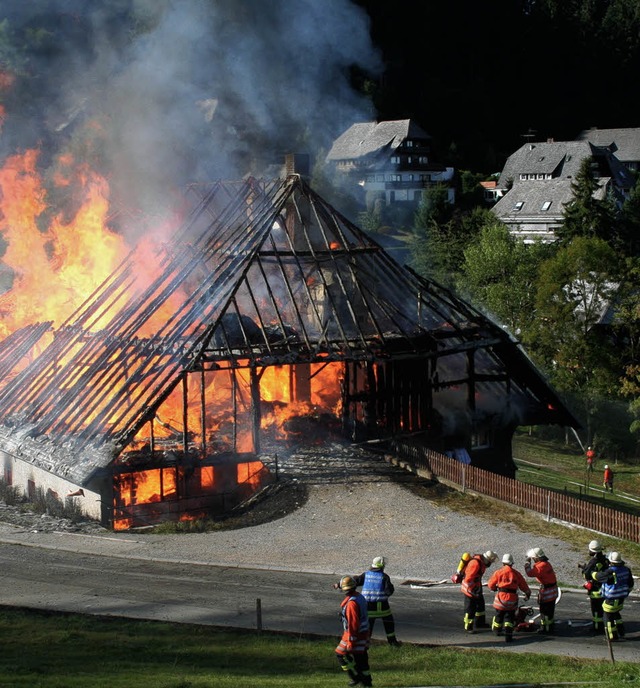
(535,553)
(595,546)
(378,563)
(615,558)
(507,559)
(489,557)
(606,465)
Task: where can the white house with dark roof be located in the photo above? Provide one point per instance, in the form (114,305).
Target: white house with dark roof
(537,184)
(393,158)
(534,210)
(623,143)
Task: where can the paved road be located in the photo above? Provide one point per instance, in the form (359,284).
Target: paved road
(66,573)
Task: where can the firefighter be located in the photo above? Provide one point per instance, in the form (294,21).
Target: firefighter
(597,562)
(607,480)
(506,582)
(352,651)
(591,457)
(617,583)
(472,569)
(376,589)
(537,566)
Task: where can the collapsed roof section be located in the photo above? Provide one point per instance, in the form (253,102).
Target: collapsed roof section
(261,273)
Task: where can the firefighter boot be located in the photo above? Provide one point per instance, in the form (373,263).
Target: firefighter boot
(481,621)
(612,631)
(598,625)
(468,623)
(620,628)
(545,624)
(508,632)
(496,627)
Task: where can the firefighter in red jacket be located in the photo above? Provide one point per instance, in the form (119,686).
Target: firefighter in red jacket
(353,649)
(506,582)
(537,566)
(472,571)
(607,479)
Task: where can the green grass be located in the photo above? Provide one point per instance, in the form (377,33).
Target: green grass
(49,650)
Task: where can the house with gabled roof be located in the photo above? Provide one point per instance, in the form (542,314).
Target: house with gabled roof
(267,315)
(392,159)
(537,184)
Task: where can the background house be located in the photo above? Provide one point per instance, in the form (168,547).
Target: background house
(537,184)
(392,160)
(623,143)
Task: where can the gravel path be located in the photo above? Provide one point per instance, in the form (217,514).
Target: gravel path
(358,507)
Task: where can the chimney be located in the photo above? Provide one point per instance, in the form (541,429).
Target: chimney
(297,163)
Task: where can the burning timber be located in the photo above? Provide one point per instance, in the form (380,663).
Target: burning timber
(268,319)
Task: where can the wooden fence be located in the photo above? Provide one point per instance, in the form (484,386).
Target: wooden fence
(552,504)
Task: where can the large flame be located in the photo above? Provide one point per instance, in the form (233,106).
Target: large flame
(56,267)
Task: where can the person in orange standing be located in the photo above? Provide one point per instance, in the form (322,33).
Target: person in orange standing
(471,587)
(607,480)
(591,458)
(506,582)
(352,651)
(537,566)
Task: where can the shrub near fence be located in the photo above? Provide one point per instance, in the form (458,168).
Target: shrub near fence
(552,504)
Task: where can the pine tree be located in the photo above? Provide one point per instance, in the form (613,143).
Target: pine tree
(587,215)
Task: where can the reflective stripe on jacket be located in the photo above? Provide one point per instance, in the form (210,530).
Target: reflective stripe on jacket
(374,588)
(506,582)
(472,583)
(543,572)
(618,584)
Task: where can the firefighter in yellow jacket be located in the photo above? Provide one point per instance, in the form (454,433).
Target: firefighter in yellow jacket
(506,582)
(353,649)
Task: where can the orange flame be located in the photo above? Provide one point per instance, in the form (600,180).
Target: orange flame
(54,269)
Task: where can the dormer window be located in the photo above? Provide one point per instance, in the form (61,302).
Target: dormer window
(408,143)
(518,206)
(546,205)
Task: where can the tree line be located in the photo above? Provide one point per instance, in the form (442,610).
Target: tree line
(574,304)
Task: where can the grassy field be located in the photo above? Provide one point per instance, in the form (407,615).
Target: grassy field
(560,466)
(47,650)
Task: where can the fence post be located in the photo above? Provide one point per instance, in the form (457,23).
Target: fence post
(548,506)
(259,614)
(464,475)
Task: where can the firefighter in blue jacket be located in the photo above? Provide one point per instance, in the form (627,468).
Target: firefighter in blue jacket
(377,588)
(617,583)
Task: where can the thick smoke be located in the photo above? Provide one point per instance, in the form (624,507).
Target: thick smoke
(161,93)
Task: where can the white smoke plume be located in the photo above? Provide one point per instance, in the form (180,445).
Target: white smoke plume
(183,90)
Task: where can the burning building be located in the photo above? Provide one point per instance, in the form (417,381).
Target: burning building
(267,315)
